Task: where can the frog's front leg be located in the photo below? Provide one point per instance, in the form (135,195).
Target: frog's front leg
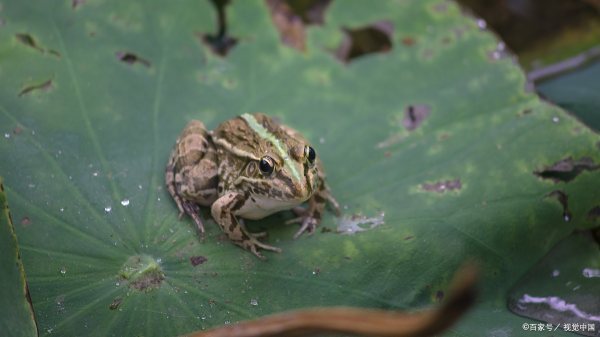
(223,212)
(310,217)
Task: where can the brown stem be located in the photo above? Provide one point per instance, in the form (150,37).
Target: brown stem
(362,322)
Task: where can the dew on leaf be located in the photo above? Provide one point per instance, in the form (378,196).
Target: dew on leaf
(254,302)
(7,135)
(590,272)
(555,273)
(555,119)
(63,270)
(125,202)
(481,24)
(442,186)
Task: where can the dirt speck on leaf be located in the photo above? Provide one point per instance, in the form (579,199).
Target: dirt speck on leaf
(44,86)
(77,3)
(567,169)
(220,43)
(442,186)
(115,303)
(131,58)
(563,198)
(414,115)
(196,260)
(291,18)
(25,221)
(408,41)
(375,38)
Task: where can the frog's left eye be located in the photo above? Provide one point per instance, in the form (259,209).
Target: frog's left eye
(266,165)
(310,154)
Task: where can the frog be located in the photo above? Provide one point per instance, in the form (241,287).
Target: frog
(248,167)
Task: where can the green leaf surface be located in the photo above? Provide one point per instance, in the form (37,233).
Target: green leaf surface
(87,137)
(16,315)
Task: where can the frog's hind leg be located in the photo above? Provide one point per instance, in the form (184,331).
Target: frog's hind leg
(191,174)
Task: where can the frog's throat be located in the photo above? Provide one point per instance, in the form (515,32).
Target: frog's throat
(265,134)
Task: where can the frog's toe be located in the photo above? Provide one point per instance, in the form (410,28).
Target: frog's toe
(309,224)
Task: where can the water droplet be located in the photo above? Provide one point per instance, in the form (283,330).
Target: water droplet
(7,135)
(481,24)
(158,198)
(589,272)
(31,185)
(203,317)
(63,270)
(118,284)
(501,46)
(227,322)
(254,302)
(107,209)
(555,119)
(95,174)
(555,273)
(125,202)
(140,187)
(159,260)
(49,330)
(62,209)
(322,140)
(33,132)
(567,217)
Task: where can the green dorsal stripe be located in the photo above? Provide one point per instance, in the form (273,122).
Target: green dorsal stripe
(265,134)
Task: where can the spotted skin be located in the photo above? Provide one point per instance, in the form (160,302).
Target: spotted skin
(220,169)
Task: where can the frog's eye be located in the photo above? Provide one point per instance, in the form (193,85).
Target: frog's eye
(310,154)
(266,165)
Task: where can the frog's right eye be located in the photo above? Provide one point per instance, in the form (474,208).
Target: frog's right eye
(266,165)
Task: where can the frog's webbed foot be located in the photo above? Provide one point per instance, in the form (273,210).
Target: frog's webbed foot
(308,218)
(193,210)
(222,212)
(253,245)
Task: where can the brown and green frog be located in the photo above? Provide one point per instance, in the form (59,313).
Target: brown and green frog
(249,167)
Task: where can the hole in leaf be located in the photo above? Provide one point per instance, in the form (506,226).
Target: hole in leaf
(375,38)
(563,198)
(220,43)
(567,169)
(30,42)
(414,115)
(290,17)
(131,59)
(442,186)
(196,260)
(45,86)
(77,3)
(594,214)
